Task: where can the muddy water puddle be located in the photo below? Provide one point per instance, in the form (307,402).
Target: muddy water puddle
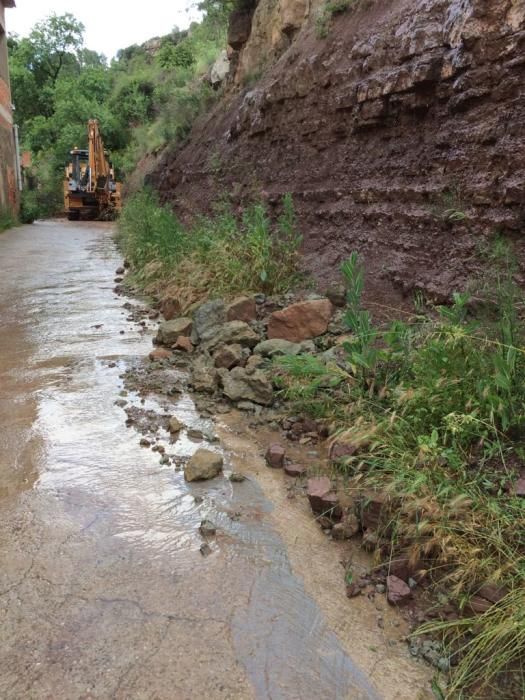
(104,592)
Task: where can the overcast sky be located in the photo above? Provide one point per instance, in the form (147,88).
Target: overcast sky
(110,24)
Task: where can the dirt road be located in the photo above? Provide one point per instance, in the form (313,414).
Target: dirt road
(103,590)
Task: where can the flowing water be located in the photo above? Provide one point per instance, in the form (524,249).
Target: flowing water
(104,592)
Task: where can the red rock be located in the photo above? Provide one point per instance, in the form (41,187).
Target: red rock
(228,356)
(479,605)
(170,308)
(183,343)
(159,354)
(347,528)
(373,507)
(275,456)
(294,469)
(341,450)
(322,500)
(242,309)
(352,590)
(493,593)
(301,321)
(397,591)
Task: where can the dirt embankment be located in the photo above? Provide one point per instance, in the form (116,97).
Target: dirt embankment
(400,135)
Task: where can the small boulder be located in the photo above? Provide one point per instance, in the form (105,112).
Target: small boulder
(277,346)
(160,354)
(295,469)
(175,426)
(183,343)
(169,331)
(347,528)
(253,363)
(204,376)
(207,318)
(170,308)
(397,591)
(322,500)
(239,385)
(120,270)
(275,456)
(204,464)
(336,293)
(242,309)
(232,333)
(229,356)
(301,321)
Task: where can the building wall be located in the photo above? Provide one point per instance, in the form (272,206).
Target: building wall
(8,187)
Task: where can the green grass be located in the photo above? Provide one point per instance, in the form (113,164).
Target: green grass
(328,11)
(217,255)
(438,404)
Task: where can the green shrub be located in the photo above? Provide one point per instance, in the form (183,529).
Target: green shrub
(331,8)
(30,208)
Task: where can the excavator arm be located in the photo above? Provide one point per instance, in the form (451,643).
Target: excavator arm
(98,165)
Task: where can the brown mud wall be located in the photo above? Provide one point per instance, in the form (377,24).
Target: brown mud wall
(401,135)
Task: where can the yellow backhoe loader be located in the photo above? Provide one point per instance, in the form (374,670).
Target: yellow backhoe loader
(90,189)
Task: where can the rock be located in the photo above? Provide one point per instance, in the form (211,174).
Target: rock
(207,318)
(144,442)
(342,450)
(160,354)
(352,589)
(170,308)
(370,541)
(519,487)
(229,356)
(237,478)
(153,314)
(275,456)
(207,528)
(277,346)
(239,385)
(204,375)
(195,434)
(242,309)
(397,591)
(301,321)
(169,331)
(232,333)
(322,500)
(220,69)
(347,528)
(253,363)
(295,469)
(175,426)
(380,588)
(373,508)
(205,549)
(120,270)
(239,27)
(183,343)
(204,464)
(336,294)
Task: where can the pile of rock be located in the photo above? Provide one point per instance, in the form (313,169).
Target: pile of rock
(231,343)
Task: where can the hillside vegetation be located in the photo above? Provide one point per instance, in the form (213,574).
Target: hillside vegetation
(144,98)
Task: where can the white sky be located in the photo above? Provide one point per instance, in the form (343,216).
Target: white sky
(110,24)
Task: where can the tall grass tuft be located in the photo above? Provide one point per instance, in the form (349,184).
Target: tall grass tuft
(216,255)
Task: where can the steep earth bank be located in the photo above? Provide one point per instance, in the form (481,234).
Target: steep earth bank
(400,135)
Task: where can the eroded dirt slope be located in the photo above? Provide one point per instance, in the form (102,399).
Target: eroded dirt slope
(401,134)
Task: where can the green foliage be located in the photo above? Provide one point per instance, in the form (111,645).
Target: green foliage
(328,11)
(218,255)
(143,102)
(30,209)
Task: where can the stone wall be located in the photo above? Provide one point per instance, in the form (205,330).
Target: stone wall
(401,135)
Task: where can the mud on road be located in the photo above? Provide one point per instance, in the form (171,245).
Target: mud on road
(104,591)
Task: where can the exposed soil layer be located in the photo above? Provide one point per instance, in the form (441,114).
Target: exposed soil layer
(400,135)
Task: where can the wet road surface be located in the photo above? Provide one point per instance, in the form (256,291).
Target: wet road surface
(103,590)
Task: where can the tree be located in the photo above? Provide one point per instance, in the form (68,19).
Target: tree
(56,42)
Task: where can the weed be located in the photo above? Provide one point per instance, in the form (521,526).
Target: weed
(217,255)
(7,219)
